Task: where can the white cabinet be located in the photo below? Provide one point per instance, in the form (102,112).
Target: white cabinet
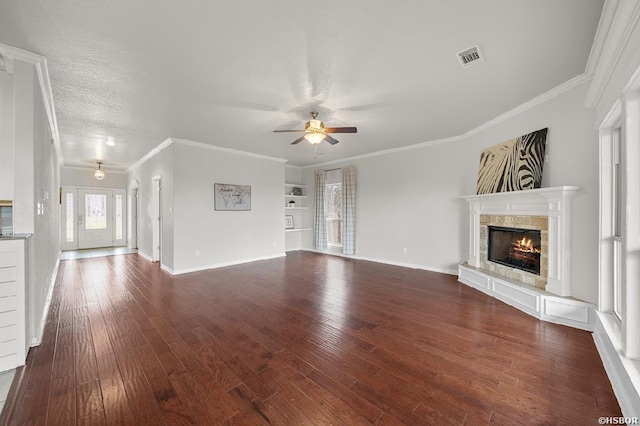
(295,202)
(14,279)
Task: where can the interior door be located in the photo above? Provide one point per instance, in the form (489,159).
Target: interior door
(95,218)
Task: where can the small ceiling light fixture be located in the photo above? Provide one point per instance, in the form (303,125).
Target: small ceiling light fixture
(110,141)
(99,174)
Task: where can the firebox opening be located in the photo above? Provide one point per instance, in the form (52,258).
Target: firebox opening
(517,248)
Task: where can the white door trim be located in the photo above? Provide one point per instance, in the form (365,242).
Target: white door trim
(156,218)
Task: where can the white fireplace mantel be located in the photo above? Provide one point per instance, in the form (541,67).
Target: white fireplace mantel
(551,202)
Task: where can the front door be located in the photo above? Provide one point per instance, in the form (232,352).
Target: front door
(95,218)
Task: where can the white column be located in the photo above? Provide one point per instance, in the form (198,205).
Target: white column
(474,233)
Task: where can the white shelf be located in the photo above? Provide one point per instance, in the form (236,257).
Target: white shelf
(297,229)
(295,208)
(295,184)
(295,196)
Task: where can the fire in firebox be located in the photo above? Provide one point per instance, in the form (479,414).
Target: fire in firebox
(517,248)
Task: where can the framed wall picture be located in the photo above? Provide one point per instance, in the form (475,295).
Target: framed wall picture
(229,197)
(288,222)
(513,165)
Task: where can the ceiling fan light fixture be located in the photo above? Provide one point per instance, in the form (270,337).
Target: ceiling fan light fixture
(314,138)
(99,174)
(314,125)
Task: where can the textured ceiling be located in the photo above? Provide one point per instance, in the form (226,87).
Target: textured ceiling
(228,73)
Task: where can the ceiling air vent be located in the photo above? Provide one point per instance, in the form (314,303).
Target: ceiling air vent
(470,57)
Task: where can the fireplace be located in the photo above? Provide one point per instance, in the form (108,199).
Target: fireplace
(547,210)
(516,248)
(544,294)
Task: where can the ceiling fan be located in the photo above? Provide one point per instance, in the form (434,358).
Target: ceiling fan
(315,132)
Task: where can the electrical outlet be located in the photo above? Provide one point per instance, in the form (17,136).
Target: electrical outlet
(197,253)
(404,250)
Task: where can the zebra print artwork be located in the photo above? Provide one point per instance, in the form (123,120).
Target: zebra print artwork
(513,165)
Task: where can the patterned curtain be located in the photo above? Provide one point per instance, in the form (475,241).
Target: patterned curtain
(349,210)
(319,217)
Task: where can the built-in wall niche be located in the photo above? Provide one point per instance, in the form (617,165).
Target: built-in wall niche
(516,248)
(295,202)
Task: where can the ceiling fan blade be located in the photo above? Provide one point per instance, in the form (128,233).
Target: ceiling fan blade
(341,130)
(331,140)
(280,131)
(297,140)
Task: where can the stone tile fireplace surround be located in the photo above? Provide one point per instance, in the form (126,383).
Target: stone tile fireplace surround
(545,296)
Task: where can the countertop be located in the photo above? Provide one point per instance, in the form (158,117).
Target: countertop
(15,237)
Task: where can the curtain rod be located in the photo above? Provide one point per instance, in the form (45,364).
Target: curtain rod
(330,170)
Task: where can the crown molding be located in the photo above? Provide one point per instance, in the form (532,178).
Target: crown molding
(385,152)
(11,54)
(538,100)
(228,150)
(618,21)
(603,29)
(151,154)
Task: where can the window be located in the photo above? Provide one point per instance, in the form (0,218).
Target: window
(333,209)
(616,208)
(69,223)
(95,211)
(118,216)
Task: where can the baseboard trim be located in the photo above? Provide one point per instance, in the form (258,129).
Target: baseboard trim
(535,302)
(387,262)
(166,268)
(623,373)
(37,339)
(221,264)
(145,255)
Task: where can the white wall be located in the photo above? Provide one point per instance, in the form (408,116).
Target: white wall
(161,164)
(83,178)
(225,237)
(36,179)
(46,232)
(6,136)
(411,199)
(24,95)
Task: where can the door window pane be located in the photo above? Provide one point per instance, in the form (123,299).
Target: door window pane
(95,211)
(69,228)
(118,214)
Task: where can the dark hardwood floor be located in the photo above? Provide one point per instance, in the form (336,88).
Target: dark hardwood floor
(306,339)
